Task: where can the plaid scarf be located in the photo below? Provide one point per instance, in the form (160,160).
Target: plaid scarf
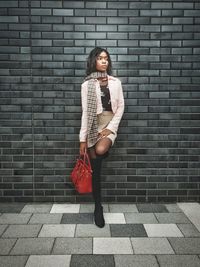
(92,127)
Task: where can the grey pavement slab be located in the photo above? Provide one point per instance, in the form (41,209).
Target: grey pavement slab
(37,208)
(13,261)
(45,218)
(122,208)
(173,207)
(185,245)
(135,261)
(92,261)
(114,218)
(189,230)
(112,245)
(140,218)
(90,230)
(2,228)
(172,218)
(6,245)
(14,218)
(48,261)
(192,211)
(77,218)
(32,246)
(57,230)
(65,208)
(151,246)
(127,230)
(22,231)
(72,246)
(162,230)
(178,260)
(11,207)
(151,208)
(89,208)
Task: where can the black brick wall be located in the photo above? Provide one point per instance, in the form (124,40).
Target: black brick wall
(155,48)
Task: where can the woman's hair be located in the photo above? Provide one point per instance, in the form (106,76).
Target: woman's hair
(91,61)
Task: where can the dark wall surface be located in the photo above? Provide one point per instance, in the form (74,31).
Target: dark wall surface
(155,49)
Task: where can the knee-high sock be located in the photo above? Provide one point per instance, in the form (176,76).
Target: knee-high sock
(96,180)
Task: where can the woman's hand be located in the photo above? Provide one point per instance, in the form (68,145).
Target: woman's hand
(104,133)
(83,148)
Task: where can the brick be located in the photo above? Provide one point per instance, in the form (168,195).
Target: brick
(139,20)
(75,4)
(160,5)
(117,20)
(171,28)
(51,4)
(128,13)
(107,13)
(40,12)
(172,13)
(9,19)
(63,12)
(151,13)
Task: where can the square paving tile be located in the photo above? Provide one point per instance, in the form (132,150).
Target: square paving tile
(162,230)
(32,246)
(22,231)
(149,208)
(140,218)
(48,261)
(92,261)
(178,260)
(192,211)
(65,208)
(2,228)
(83,218)
(6,245)
(114,218)
(112,245)
(127,230)
(13,261)
(172,218)
(72,246)
(11,207)
(57,230)
(173,208)
(14,218)
(89,208)
(91,230)
(135,261)
(151,246)
(189,230)
(37,208)
(185,245)
(45,218)
(122,208)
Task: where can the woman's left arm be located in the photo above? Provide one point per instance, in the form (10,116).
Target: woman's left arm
(114,123)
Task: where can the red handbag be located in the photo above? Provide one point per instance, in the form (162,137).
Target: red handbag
(81,175)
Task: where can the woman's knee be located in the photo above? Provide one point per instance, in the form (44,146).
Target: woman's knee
(100,150)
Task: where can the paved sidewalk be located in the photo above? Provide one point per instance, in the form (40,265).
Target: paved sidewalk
(135,235)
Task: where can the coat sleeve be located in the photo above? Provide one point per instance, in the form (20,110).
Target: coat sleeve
(83,130)
(114,123)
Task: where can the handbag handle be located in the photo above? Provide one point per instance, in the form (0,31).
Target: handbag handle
(86,158)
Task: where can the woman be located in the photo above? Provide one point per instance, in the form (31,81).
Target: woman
(102,109)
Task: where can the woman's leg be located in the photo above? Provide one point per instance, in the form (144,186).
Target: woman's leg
(96,154)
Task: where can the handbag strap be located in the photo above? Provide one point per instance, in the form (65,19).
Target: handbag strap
(87,159)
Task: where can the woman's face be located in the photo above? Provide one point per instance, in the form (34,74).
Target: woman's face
(102,62)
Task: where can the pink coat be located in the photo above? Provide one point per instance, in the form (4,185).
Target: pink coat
(117,104)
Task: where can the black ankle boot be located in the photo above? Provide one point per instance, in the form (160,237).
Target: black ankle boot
(98,217)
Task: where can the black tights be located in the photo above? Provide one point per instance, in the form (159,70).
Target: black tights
(96,154)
